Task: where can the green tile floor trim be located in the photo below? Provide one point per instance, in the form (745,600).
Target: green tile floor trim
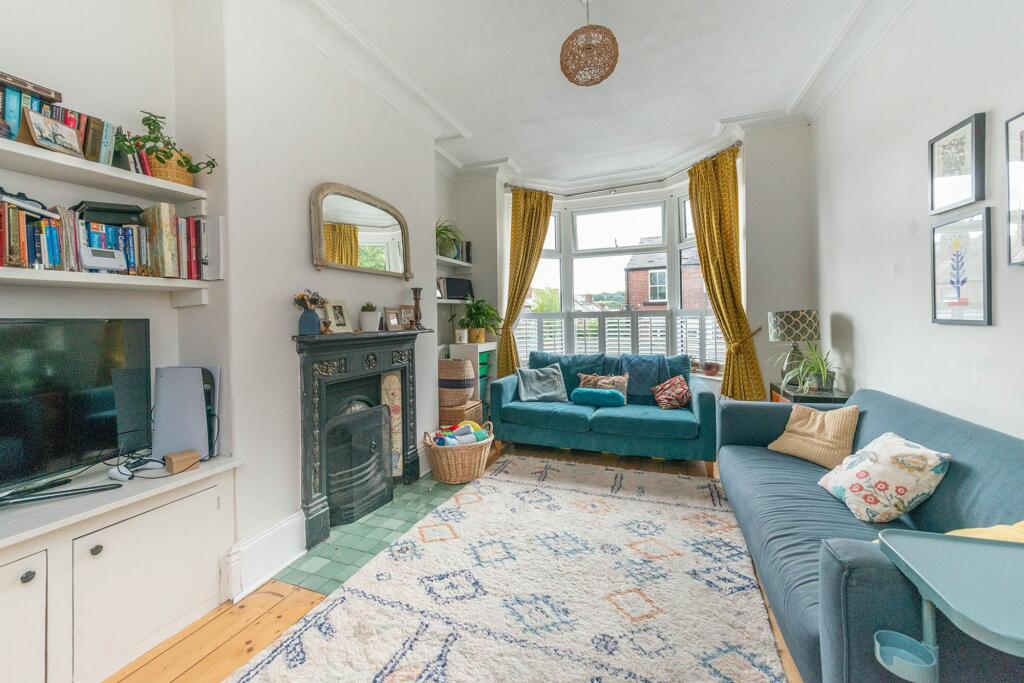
(329,564)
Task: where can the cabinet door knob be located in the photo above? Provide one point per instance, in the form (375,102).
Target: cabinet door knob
(96,549)
(28,576)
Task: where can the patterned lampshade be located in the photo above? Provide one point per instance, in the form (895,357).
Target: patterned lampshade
(793,326)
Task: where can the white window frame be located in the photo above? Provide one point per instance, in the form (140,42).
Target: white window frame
(651,285)
(674,240)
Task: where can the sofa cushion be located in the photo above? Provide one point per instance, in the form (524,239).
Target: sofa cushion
(645,372)
(985,477)
(641,421)
(565,417)
(824,437)
(571,366)
(679,365)
(784,516)
(586,396)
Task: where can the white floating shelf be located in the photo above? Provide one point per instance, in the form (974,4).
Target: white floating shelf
(454,264)
(25,158)
(453,302)
(183,292)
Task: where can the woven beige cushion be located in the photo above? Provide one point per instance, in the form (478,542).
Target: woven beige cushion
(822,437)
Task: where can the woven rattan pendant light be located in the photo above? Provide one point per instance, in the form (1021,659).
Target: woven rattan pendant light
(590,53)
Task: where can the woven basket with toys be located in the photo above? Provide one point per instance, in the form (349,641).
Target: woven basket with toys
(458,453)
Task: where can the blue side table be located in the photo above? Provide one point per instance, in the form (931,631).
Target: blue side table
(976,583)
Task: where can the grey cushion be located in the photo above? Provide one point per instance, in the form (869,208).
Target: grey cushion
(784,516)
(541,384)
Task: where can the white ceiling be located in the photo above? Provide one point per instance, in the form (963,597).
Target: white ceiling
(489,70)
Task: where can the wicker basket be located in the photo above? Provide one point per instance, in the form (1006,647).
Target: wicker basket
(450,415)
(169,170)
(455,380)
(462,463)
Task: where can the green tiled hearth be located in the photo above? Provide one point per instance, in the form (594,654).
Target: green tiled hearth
(350,546)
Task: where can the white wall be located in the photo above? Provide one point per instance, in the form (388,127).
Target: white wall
(297,119)
(779,237)
(943,61)
(97,80)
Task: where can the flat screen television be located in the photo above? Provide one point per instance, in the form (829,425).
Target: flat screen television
(72,393)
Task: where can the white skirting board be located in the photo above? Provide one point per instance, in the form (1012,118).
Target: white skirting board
(256,560)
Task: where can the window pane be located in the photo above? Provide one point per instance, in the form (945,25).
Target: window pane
(618,335)
(685,220)
(658,281)
(551,239)
(652,334)
(619,228)
(545,291)
(586,337)
(692,293)
(620,283)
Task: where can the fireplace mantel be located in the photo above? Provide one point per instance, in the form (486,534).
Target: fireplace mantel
(327,359)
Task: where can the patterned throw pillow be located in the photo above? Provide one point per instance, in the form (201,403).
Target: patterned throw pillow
(672,393)
(887,478)
(823,437)
(616,382)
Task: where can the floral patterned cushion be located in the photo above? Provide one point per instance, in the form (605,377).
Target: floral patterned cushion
(616,382)
(672,393)
(887,478)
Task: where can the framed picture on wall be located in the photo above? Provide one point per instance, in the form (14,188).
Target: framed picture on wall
(962,271)
(1015,185)
(956,165)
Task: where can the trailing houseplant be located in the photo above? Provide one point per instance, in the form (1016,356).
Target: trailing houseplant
(448,237)
(479,317)
(814,372)
(161,149)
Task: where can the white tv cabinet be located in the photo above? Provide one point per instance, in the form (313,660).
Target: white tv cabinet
(89,583)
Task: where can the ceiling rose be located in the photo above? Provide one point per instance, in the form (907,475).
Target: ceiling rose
(590,53)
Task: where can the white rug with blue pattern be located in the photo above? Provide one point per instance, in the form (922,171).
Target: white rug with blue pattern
(546,571)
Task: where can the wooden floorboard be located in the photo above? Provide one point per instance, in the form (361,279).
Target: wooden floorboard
(225,639)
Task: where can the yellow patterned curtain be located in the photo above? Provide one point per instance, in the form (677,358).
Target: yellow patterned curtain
(530,212)
(714,201)
(341,243)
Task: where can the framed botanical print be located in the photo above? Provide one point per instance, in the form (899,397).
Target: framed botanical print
(1015,185)
(956,165)
(962,271)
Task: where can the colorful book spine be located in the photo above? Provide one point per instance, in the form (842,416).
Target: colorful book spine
(107,144)
(3,233)
(23,234)
(26,100)
(193,253)
(12,109)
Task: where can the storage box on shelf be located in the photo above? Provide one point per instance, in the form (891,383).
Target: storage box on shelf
(482,356)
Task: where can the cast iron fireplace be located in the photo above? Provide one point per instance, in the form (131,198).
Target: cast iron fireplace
(358,424)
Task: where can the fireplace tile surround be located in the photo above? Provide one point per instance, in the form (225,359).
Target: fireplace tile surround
(339,374)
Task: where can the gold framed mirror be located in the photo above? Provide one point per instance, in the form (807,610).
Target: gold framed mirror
(353,230)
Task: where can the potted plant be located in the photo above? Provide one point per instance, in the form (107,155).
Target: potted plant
(369,318)
(448,237)
(308,300)
(166,159)
(479,317)
(814,372)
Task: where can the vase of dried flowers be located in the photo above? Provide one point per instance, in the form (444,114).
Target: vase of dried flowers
(309,322)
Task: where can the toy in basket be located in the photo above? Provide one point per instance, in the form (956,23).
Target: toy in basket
(459,453)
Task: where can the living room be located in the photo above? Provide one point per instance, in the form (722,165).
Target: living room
(555,349)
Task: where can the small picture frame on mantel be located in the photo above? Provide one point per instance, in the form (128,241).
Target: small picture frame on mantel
(393,319)
(962,271)
(956,165)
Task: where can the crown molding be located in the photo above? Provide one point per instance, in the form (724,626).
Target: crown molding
(489,169)
(340,41)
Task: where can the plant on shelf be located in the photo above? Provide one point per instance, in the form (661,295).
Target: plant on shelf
(162,149)
(815,370)
(479,317)
(308,300)
(369,317)
(448,237)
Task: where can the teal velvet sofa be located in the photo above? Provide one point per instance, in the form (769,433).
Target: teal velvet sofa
(637,428)
(829,585)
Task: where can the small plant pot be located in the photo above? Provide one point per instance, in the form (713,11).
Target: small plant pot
(477,335)
(461,336)
(711,368)
(169,170)
(309,323)
(816,384)
(369,321)
(446,249)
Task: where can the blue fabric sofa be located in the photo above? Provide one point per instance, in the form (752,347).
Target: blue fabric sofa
(829,586)
(633,429)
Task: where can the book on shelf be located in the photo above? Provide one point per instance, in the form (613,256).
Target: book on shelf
(160,244)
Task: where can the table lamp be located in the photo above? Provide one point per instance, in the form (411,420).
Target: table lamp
(793,327)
